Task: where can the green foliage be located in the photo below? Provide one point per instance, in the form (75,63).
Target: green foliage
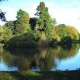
(10,25)
(67,40)
(22,23)
(6,34)
(45,23)
(64,31)
(58,39)
(42,28)
(36,36)
(27,40)
(72,32)
(22,16)
(42,13)
(22,28)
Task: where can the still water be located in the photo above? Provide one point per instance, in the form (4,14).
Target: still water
(51,59)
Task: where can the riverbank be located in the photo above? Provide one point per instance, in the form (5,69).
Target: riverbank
(49,75)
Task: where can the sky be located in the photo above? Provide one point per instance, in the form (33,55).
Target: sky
(64,11)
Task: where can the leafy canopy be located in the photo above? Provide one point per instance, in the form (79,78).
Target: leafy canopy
(22,22)
(45,23)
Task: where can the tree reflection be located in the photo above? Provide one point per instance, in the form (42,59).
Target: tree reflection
(44,59)
(23,63)
(67,53)
(7,58)
(47,63)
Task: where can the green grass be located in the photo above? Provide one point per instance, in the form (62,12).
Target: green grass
(49,75)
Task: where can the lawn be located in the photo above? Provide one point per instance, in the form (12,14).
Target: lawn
(49,75)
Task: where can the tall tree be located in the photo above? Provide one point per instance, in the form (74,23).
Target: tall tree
(44,22)
(22,22)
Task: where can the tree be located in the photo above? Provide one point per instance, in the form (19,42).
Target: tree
(44,23)
(72,32)
(6,34)
(22,22)
(10,25)
(63,30)
(2,14)
(22,16)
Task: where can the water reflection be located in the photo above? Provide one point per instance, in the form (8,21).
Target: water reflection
(40,59)
(6,61)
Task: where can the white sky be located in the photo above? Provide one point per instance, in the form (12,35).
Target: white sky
(65,11)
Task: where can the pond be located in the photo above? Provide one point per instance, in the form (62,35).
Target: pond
(40,59)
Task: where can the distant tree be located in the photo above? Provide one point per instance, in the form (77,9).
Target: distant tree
(67,31)
(72,32)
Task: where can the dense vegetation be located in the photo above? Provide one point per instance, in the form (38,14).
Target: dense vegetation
(40,31)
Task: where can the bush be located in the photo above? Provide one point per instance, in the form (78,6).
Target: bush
(21,41)
(66,42)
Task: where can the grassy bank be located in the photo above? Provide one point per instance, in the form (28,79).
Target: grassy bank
(30,75)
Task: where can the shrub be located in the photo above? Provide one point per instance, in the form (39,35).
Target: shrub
(21,41)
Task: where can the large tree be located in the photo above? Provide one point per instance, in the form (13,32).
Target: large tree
(22,22)
(44,23)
